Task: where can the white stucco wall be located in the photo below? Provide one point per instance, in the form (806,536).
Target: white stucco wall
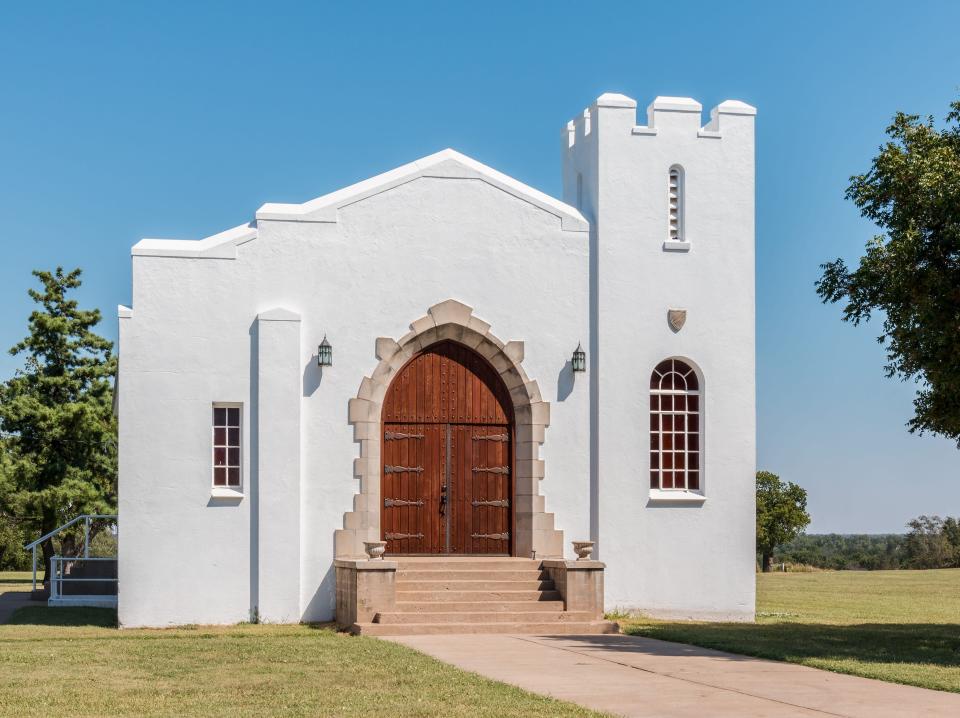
(691,558)
(364,269)
(237,318)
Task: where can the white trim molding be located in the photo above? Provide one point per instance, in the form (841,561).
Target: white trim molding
(676,496)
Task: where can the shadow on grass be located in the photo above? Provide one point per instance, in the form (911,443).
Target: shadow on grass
(329,626)
(65,616)
(918,643)
(25,581)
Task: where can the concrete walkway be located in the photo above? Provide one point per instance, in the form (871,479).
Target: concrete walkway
(633,676)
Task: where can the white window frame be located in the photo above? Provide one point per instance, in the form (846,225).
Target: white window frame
(685,493)
(676,210)
(227,490)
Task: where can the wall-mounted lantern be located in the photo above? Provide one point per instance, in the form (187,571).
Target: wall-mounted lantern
(324,353)
(579,360)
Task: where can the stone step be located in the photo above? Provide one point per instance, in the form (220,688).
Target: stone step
(456,574)
(545,628)
(463,563)
(479,595)
(487,584)
(478,606)
(482,616)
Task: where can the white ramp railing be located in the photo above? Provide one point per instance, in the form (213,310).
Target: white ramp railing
(86,518)
(60,567)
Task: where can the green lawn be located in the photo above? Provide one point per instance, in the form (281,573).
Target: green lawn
(74,662)
(18,580)
(900,626)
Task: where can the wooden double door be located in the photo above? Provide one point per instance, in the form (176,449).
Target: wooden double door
(447,457)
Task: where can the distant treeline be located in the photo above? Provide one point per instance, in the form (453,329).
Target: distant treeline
(844,551)
(931,543)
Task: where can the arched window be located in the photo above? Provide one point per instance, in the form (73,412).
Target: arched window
(675,429)
(675,191)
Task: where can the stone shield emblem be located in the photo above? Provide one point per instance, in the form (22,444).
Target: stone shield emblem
(676,318)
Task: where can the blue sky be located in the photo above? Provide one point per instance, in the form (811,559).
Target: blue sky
(127,120)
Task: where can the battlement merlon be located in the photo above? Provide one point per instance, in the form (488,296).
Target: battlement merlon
(672,114)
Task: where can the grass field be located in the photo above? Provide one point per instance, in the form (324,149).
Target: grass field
(74,662)
(900,626)
(17,580)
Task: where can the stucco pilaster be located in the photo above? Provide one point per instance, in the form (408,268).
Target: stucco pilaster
(278,465)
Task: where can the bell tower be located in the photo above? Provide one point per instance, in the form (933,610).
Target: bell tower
(671,210)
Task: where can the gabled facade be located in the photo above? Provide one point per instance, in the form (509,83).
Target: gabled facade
(451,421)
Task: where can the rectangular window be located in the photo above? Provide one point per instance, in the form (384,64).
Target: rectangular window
(226,445)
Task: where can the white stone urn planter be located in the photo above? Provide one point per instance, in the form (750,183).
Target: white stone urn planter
(583,549)
(375,549)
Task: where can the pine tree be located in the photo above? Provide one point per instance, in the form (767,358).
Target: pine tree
(56,413)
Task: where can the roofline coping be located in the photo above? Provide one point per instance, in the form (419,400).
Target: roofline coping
(222,245)
(446,163)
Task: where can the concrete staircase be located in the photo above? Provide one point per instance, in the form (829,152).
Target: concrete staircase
(478,595)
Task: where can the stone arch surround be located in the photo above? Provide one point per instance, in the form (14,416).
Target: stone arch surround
(450,320)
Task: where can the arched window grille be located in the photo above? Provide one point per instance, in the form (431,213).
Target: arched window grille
(675,187)
(675,431)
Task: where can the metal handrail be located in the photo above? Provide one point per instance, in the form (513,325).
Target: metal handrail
(57,579)
(87,518)
(67,525)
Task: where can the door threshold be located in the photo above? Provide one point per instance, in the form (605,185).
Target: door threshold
(449,555)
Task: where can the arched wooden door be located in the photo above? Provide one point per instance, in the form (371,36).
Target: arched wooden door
(447,456)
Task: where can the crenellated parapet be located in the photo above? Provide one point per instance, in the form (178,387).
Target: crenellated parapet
(682,114)
(608,143)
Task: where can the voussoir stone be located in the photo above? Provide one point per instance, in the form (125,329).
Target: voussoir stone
(450,312)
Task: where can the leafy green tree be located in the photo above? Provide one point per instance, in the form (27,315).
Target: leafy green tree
(927,546)
(12,537)
(951,531)
(781,514)
(933,542)
(56,413)
(911,272)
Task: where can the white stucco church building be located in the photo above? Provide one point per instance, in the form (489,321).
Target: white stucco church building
(449,361)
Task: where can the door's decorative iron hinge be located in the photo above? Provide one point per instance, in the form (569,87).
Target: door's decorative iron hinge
(496,537)
(401,502)
(493,469)
(492,437)
(398,537)
(388,469)
(502,503)
(391,435)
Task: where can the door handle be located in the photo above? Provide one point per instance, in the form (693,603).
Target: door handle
(443,499)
